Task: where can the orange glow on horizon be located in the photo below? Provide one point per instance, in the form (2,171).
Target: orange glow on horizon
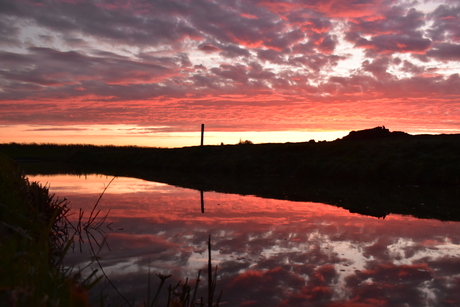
(270,69)
(131,135)
(124,135)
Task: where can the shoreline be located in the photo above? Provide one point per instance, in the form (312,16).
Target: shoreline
(424,160)
(405,174)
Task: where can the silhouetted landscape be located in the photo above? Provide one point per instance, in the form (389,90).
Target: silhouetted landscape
(372,171)
(109,195)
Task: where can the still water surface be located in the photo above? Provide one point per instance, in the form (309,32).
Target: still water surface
(269,252)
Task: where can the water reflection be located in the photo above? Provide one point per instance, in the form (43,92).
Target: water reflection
(269,252)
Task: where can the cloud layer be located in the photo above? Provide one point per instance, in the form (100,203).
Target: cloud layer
(309,64)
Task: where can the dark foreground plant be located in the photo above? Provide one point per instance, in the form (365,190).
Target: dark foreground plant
(34,240)
(36,235)
(183,294)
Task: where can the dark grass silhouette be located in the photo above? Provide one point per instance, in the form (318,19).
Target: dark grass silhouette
(373,171)
(35,237)
(373,155)
(34,240)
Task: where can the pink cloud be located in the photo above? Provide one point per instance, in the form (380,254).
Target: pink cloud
(331,8)
(132,60)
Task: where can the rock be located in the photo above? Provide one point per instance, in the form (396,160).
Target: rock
(374,133)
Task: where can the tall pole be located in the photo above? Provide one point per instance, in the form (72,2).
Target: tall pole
(202,134)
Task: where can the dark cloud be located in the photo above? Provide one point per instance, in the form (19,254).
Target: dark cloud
(208,48)
(328,44)
(396,21)
(9,32)
(271,55)
(236,73)
(281,41)
(233,51)
(139,23)
(316,62)
(377,67)
(394,43)
(445,23)
(445,52)
(63,72)
(412,68)
(398,31)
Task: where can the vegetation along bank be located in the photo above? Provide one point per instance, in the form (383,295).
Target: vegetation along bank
(33,243)
(373,155)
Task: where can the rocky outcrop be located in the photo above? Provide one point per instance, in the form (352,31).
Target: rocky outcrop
(374,133)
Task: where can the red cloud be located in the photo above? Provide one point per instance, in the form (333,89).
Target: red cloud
(285,58)
(331,8)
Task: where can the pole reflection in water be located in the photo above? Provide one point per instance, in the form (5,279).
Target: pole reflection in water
(269,252)
(202,201)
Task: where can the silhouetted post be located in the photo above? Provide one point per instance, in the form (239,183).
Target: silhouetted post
(202,134)
(202,201)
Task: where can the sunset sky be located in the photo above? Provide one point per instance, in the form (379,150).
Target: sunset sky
(150,72)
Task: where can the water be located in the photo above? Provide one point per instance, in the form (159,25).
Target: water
(269,252)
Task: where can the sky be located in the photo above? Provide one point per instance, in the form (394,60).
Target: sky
(150,72)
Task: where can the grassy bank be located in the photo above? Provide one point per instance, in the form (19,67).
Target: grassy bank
(404,174)
(412,160)
(35,239)
(33,244)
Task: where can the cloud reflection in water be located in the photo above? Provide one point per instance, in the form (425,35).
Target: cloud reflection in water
(269,252)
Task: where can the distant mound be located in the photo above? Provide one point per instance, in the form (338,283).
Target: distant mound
(374,133)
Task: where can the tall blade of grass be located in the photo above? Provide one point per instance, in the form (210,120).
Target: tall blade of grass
(91,218)
(88,282)
(169,295)
(103,272)
(163,279)
(185,295)
(214,283)
(210,292)
(148,286)
(196,289)
(65,250)
(101,222)
(218,299)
